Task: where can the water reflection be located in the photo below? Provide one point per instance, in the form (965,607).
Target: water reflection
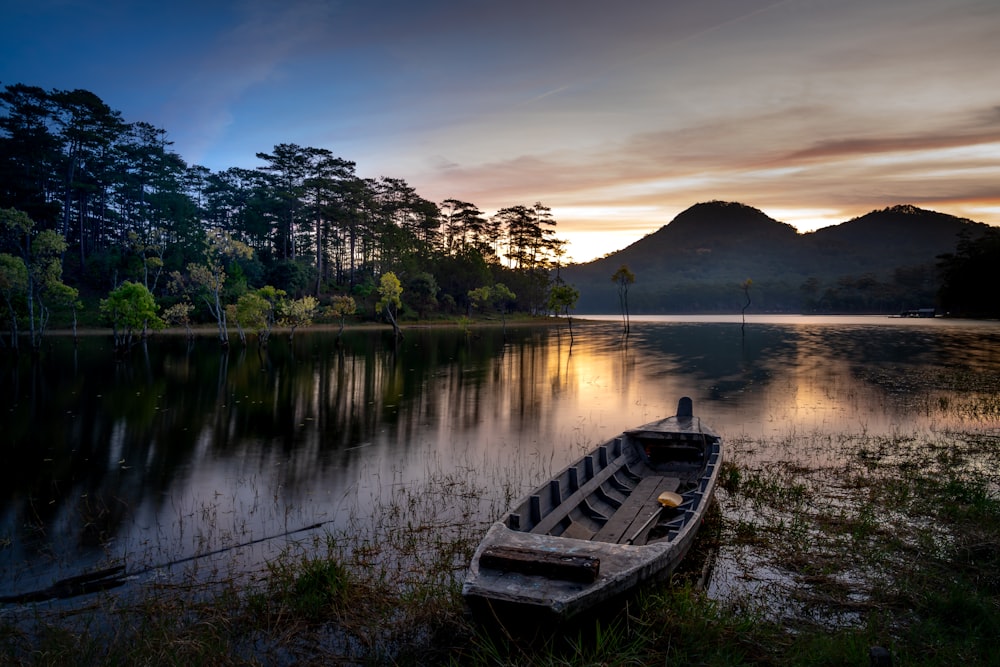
(185,449)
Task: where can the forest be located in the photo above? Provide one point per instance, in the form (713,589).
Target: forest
(93,202)
(102,224)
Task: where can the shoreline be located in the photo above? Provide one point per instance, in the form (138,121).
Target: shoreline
(211,330)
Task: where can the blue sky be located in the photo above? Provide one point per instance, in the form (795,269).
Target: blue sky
(618,116)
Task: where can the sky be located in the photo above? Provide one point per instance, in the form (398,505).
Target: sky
(616,115)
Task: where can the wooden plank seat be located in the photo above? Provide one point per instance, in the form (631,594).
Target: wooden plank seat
(637,512)
(569,567)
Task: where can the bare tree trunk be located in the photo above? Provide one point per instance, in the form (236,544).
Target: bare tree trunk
(395,326)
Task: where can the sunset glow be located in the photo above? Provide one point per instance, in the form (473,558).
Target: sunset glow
(616,116)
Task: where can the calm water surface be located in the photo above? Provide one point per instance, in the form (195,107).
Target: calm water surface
(184,450)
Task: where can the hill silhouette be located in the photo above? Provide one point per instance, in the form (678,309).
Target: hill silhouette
(883,261)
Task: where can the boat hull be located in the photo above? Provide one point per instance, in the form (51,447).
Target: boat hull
(594,531)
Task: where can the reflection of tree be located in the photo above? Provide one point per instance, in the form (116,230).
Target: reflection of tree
(559,379)
(185,407)
(627,363)
(308,423)
(726,358)
(746,291)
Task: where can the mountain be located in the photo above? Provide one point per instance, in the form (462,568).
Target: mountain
(700,260)
(897,236)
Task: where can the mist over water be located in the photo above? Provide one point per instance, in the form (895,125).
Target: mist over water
(185,449)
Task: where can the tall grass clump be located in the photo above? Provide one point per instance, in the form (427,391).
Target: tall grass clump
(895,541)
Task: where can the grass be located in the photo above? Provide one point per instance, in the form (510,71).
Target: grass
(882,541)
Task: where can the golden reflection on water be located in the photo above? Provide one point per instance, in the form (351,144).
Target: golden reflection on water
(219,448)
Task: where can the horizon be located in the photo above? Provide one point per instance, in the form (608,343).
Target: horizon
(616,118)
(800,232)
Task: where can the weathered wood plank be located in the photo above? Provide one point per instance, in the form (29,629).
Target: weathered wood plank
(638,508)
(577,532)
(549,521)
(569,567)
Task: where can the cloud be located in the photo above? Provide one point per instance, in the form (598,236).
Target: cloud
(909,144)
(614,116)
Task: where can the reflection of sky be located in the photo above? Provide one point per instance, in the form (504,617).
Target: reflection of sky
(225,453)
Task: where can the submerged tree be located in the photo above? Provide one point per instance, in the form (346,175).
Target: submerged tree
(13,287)
(297,313)
(623,277)
(251,312)
(208,279)
(41,253)
(180,314)
(62,296)
(562,298)
(340,307)
(390,291)
(129,308)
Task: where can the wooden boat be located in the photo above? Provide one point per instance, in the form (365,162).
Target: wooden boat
(624,514)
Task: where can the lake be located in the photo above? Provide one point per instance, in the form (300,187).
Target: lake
(185,451)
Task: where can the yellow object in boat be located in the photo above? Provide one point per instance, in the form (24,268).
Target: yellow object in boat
(670,499)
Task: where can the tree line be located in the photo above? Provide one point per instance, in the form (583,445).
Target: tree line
(92,202)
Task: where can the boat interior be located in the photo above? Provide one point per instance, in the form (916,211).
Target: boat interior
(615,493)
